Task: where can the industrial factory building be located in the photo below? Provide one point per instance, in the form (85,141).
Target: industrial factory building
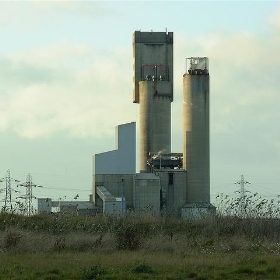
(168,183)
(175,184)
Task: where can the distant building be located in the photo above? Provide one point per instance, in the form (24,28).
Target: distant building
(81,208)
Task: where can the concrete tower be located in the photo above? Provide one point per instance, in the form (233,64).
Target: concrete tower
(153,90)
(196,155)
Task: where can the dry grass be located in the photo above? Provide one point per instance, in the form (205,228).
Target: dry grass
(162,235)
(219,248)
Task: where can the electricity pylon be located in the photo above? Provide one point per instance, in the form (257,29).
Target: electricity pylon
(242,183)
(29,210)
(8,191)
(242,204)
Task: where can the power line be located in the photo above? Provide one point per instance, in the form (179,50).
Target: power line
(63,189)
(77,177)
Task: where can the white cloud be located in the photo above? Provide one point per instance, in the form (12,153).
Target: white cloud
(66,87)
(58,55)
(33,15)
(84,96)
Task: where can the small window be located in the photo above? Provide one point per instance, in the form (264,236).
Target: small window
(170,178)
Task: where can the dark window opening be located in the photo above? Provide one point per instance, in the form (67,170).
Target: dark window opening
(170,178)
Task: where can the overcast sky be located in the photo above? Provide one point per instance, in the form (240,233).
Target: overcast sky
(66,82)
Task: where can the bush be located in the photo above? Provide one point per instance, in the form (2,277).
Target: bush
(142,267)
(59,244)
(128,238)
(92,272)
(12,239)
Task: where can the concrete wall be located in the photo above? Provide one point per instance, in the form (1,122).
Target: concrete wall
(152,48)
(123,159)
(110,205)
(173,187)
(196,211)
(146,194)
(44,205)
(114,208)
(111,167)
(196,154)
(153,90)
(155,119)
(113,183)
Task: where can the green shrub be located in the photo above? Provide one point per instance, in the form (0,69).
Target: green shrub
(59,244)
(128,237)
(92,272)
(142,267)
(192,275)
(245,270)
(11,240)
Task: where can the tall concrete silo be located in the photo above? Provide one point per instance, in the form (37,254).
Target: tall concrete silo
(196,154)
(153,90)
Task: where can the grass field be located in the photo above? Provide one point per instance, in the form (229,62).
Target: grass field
(138,265)
(50,247)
